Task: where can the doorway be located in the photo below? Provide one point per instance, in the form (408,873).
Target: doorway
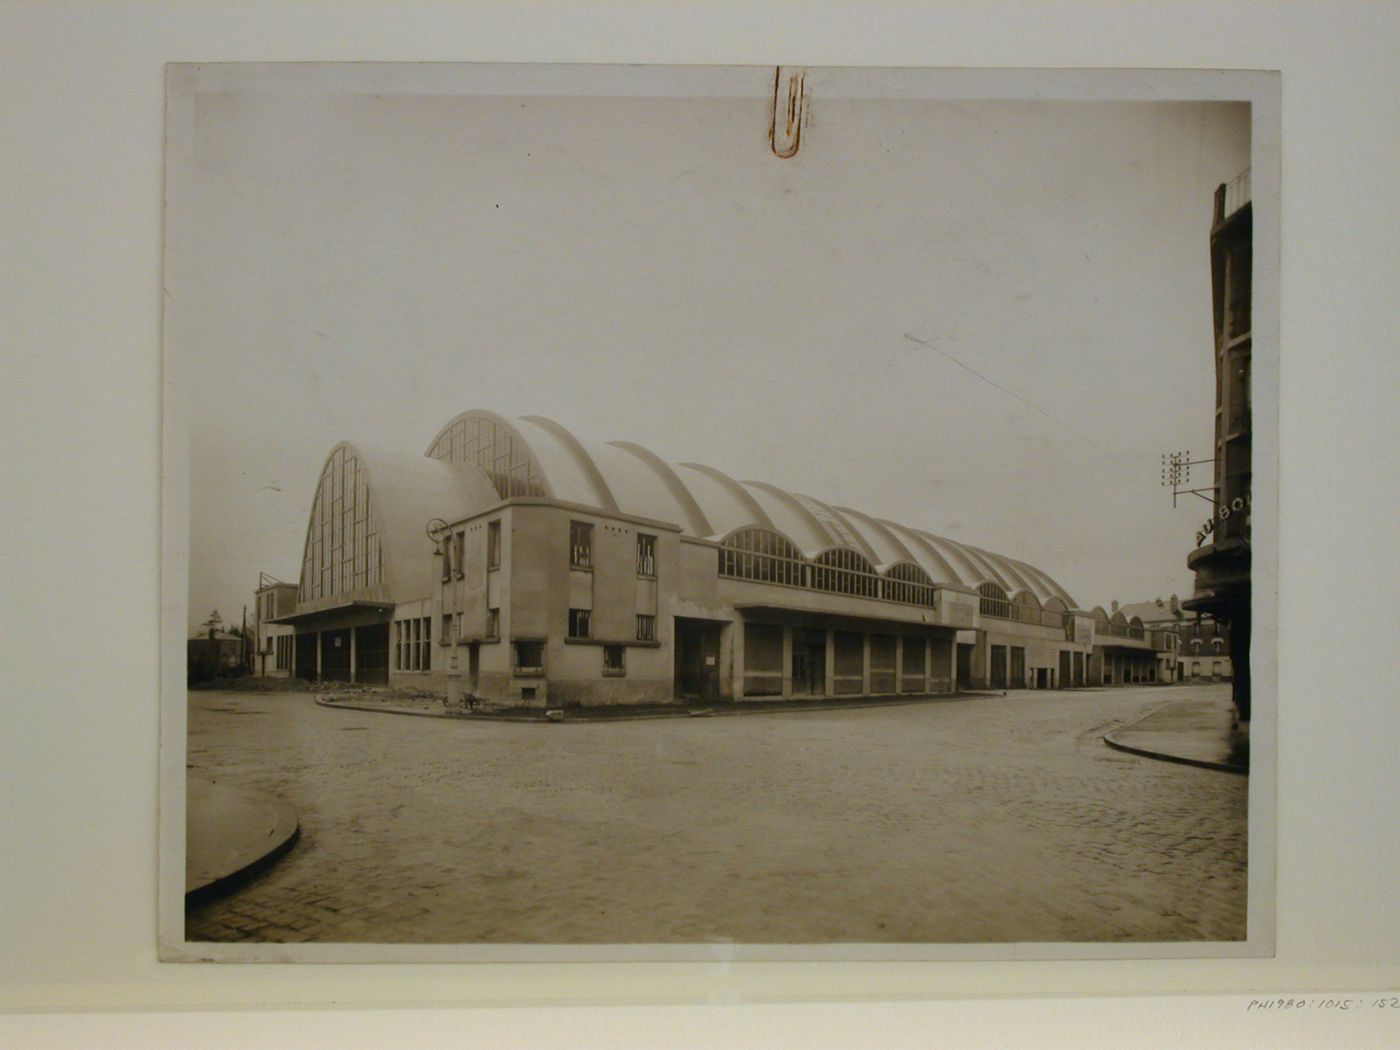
(964,678)
(305,656)
(809,663)
(697,659)
(335,655)
(372,654)
(998,668)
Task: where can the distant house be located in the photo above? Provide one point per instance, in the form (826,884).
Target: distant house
(1205,651)
(212,653)
(1201,650)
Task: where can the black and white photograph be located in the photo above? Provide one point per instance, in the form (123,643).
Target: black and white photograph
(683,512)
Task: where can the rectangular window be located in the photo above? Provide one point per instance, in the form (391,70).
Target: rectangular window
(580,545)
(646,555)
(578,623)
(529,657)
(646,628)
(614,660)
(493,623)
(459,555)
(425,657)
(493,545)
(445,635)
(447,559)
(284,652)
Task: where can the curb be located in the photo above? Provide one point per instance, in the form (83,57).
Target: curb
(230,882)
(679,712)
(285,814)
(1164,756)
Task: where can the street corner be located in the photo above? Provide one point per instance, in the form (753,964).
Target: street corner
(231,833)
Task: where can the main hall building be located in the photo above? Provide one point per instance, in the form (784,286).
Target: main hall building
(542,569)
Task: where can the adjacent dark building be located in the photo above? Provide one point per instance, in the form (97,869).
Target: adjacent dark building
(1221,560)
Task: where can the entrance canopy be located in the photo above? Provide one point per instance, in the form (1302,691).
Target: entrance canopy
(337,612)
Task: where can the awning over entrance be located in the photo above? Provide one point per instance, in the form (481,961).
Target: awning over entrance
(309,617)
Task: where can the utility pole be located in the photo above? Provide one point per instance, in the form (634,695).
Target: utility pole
(1176,475)
(245,650)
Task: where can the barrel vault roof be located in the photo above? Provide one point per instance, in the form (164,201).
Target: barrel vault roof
(623,477)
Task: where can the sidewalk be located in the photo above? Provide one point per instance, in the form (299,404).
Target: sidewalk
(230,834)
(1192,732)
(432,707)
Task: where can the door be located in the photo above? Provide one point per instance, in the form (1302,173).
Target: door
(964,666)
(1018,667)
(1066,678)
(998,668)
(335,655)
(305,645)
(697,659)
(809,663)
(372,654)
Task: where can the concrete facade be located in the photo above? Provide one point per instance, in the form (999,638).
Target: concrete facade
(273,642)
(517,565)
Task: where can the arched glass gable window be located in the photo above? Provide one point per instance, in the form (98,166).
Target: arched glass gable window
(758,554)
(493,448)
(342,540)
(994,601)
(910,584)
(1025,608)
(1055,613)
(844,571)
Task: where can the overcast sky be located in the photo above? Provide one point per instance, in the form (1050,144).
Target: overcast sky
(985,319)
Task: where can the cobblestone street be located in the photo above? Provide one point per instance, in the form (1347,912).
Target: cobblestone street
(986,819)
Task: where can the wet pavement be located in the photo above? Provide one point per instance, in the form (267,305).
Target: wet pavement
(999,818)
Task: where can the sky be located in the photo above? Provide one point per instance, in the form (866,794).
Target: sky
(987,319)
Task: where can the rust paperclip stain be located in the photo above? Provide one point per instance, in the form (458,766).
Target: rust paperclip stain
(789,111)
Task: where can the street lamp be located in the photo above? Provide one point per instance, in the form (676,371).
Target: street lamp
(439,532)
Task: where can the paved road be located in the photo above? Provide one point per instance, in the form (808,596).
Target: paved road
(994,819)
